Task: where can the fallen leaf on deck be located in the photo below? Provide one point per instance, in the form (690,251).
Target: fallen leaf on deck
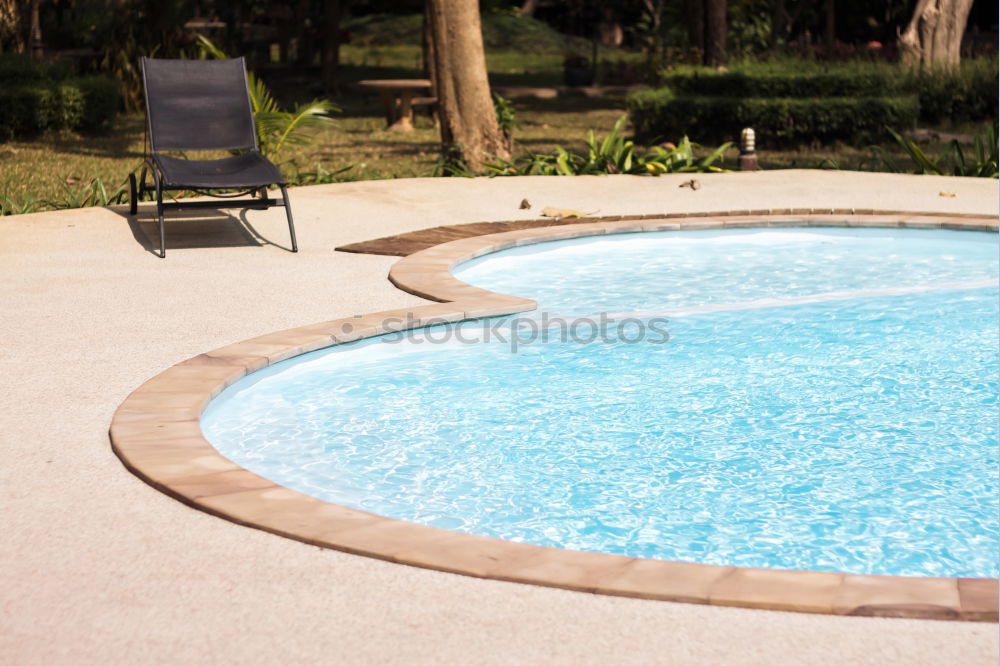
(525,204)
(950,195)
(549,211)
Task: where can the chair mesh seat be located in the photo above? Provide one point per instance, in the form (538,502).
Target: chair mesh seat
(250,169)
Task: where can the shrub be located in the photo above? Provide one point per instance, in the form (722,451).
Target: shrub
(846,82)
(67,107)
(18,69)
(612,154)
(85,103)
(25,110)
(969,93)
(101,96)
(778,122)
(36,96)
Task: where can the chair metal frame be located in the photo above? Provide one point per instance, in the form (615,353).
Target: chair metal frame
(138,189)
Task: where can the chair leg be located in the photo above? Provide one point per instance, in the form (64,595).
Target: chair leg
(288,212)
(159,213)
(133,198)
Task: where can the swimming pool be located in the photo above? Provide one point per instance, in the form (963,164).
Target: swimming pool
(817,399)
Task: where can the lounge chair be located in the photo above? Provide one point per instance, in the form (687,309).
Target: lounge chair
(195,105)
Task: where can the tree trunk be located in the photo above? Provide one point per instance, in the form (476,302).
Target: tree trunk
(35,32)
(303,52)
(330,55)
(654,12)
(11,32)
(933,37)
(779,22)
(528,8)
(427,45)
(715,33)
(469,129)
(694,17)
(830,25)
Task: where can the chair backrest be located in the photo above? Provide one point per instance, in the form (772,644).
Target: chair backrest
(198,104)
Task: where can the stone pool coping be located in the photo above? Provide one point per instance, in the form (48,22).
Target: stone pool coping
(157,434)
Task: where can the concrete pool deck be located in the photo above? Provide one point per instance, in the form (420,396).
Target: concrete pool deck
(100,567)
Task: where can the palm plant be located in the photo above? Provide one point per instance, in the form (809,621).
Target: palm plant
(277,129)
(981,162)
(612,154)
(682,159)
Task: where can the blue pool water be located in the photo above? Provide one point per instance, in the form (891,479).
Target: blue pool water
(805,399)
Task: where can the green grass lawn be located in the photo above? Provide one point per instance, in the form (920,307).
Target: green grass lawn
(62,170)
(53,170)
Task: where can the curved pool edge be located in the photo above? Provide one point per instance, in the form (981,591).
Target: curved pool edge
(156,433)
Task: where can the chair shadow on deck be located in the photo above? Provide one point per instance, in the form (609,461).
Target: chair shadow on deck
(196,228)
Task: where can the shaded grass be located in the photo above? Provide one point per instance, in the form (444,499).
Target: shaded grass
(506,68)
(43,168)
(53,170)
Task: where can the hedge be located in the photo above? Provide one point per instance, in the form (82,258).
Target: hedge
(779,122)
(968,93)
(37,96)
(101,99)
(86,103)
(846,83)
(18,69)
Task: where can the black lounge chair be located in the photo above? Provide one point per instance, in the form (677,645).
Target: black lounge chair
(196,105)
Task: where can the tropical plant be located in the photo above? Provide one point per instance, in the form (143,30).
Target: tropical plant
(506,114)
(277,129)
(682,159)
(610,155)
(954,160)
(126,30)
(93,193)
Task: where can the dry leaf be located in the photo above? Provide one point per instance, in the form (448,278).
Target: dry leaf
(549,211)
(525,204)
(693,184)
(950,195)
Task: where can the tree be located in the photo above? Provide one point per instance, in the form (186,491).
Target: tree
(469,129)
(779,23)
(35,31)
(11,32)
(715,33)
(694,16)
(933,37)
(706,23)
(830,25)
(333,12)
